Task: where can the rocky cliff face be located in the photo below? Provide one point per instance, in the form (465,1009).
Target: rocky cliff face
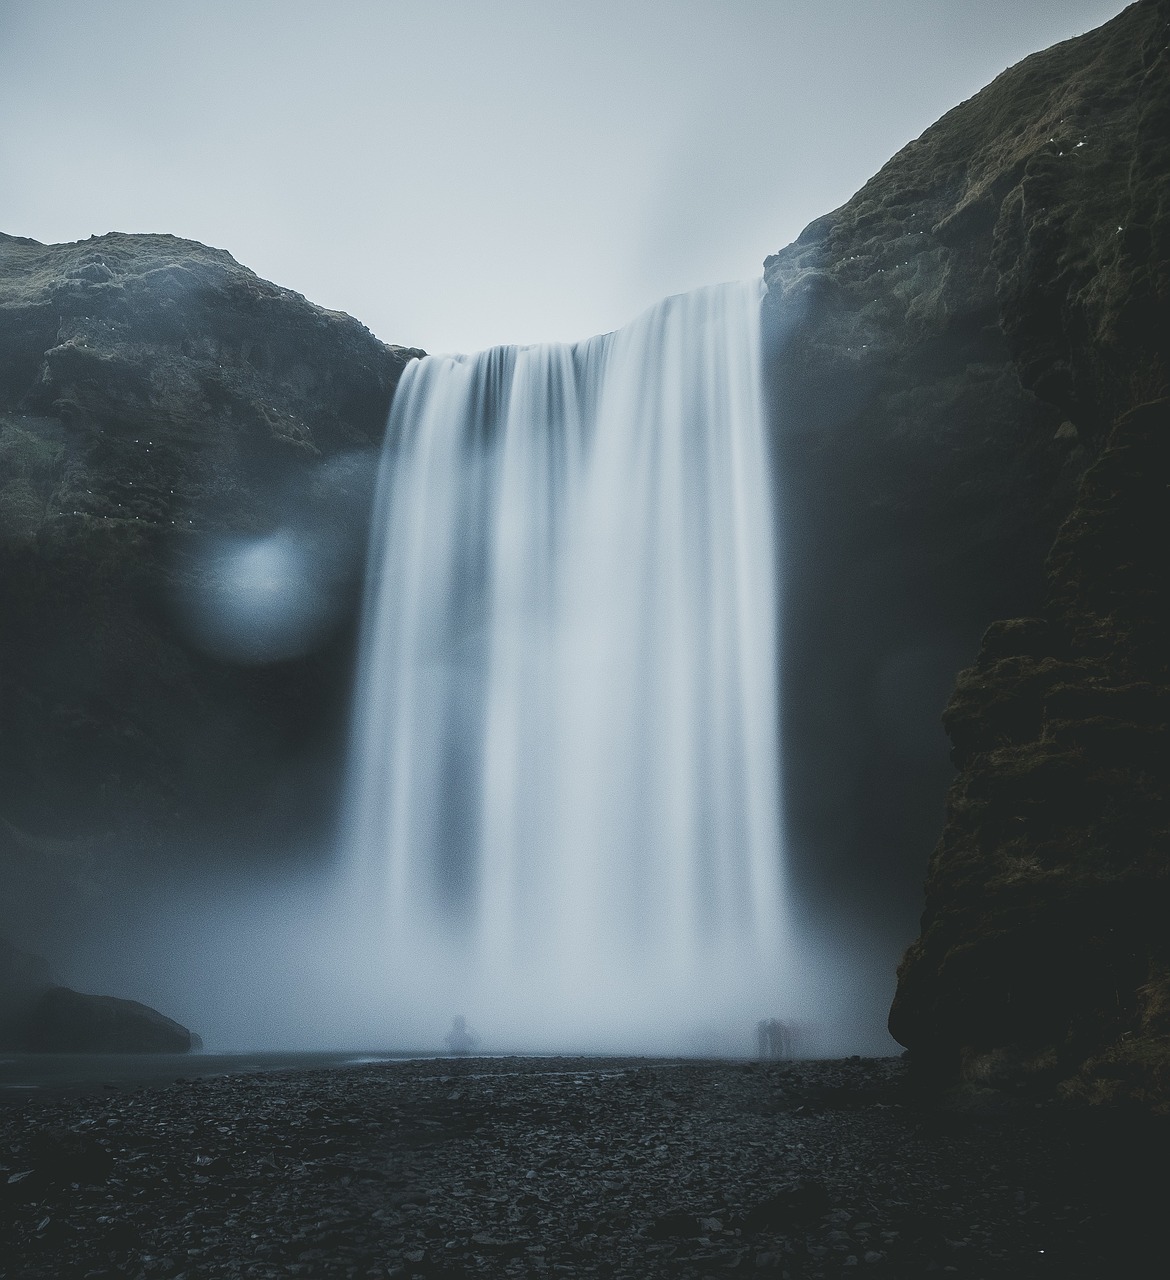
(1045,950)
(968,367)
(157,399)
(969,353)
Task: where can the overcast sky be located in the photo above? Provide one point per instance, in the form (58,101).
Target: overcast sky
(467,172)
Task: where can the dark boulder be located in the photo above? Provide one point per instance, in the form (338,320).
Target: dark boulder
(39,1016)
(64,1021)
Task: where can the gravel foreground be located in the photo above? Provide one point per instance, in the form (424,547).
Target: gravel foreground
(573,1167)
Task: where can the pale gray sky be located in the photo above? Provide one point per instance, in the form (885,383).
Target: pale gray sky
(466,172)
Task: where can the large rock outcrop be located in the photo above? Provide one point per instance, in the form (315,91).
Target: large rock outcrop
(963,357)
(37,1015)
(970,352)
(1045,950)
(156,398)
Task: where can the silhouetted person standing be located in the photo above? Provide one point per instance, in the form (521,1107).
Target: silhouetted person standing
(764,1039)
(774,1039)
(460,1039)
(779,1040)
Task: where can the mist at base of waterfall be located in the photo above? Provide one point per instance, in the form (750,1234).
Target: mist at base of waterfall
(563,819)
(563,807)
(269,961)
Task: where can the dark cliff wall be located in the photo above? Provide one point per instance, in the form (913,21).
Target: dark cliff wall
(959,358)
(1045,947)
(155,395)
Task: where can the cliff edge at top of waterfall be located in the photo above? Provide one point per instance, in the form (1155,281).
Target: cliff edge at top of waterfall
(155,332)
(155,395)
(1035,212)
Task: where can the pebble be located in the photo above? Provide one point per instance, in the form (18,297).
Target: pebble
(576,1167)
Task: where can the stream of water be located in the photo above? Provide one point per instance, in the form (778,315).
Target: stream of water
(564,810)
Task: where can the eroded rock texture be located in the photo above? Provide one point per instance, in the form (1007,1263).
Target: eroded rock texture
(1045,950)
(156,396)
(970,352)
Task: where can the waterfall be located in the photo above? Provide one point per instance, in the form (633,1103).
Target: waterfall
(563,815)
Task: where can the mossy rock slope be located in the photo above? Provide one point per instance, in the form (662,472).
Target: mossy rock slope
(979,342)
(156,396)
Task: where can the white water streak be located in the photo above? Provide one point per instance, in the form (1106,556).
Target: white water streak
(564,813)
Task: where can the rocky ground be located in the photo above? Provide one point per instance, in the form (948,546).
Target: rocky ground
(571,1166)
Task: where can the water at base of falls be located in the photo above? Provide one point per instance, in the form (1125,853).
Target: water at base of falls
(563,814)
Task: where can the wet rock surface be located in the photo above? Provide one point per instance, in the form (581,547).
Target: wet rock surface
(158,403)
(925,457)
(578,1167)
(1043,953)
(970,367)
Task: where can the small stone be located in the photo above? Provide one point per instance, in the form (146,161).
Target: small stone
(674,1225)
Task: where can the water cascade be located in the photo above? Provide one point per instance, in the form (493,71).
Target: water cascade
(564,813)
